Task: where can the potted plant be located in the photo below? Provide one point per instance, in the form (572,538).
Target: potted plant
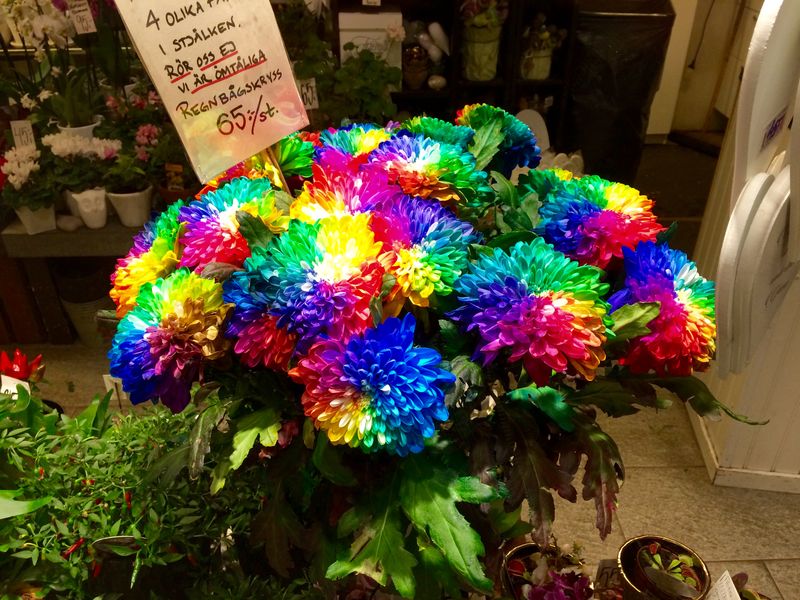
(654,566)
(483,24)
(129,189)
(403,369)
(75,104)
(171,168)
(362,86)
(29,188)
(557,572)
(540,40)
(80,165)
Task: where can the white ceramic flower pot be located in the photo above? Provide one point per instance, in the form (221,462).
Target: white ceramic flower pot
(92,207)
(37,221)
(85,131)
(133,209)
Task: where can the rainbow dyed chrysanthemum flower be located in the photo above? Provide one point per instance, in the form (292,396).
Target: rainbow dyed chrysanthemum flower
(377,390)
(347,148)
(430,169)
(440,130)
(682,337)
(539,306)
(429,249)
(592,220)
(316,279)
(163,345)
(545,181)
(211,230)
(154,254)
(335,192)
(518,146)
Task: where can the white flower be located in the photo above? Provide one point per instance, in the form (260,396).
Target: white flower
(44,95)
(68,145)
(20,163)
(55,71)
(28,102)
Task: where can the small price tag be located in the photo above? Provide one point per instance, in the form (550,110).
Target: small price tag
(8,385)
(370,2)
(724,589)
(22,131)
(308,92)
(174,175)
(80,13)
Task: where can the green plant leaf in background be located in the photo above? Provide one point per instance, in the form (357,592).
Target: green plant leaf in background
(253,229)
(428,495)
(506,241)
(550,401)
(486,142)
(433,573)
(468,375)
(378,550)
(200,438)
(696,393)
(9,507)
(262,425)
(328,459)
(630,320)
(507,195)
(275,526)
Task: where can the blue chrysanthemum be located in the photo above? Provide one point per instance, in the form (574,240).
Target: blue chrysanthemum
(376,391)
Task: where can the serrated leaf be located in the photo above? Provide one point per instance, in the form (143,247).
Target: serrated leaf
(428,495)
(166,468)
(262,425)
(378,550)
(602,471)
(254,230)
(532,473)
(486,142)
(696,393)
(200,437)
(328,459)
(630,320)
(453,340)
(387,284)
(609,396)
(434,574)
(276,526)
(550,401)
(506,192)
(468,375)
(507,240)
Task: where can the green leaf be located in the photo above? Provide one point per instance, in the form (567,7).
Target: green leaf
(376,311)
(13,508)
(507,240)
(696,393)
(276,526)
(666,235)
(166,468)
(486,142)
(428,495)
(532,473)
(507,524)
(505,190)
(254,230)
(609,396)
(328,459)
(434,574)
(200,437)
(219,475)
(468,375)
(630,320)
(94,419)
(453,339)
(550,401)
(262,425)
(378,550)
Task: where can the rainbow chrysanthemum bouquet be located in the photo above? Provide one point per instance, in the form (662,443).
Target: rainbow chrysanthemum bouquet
(409,332)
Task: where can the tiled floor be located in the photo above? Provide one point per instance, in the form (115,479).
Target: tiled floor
(666,489)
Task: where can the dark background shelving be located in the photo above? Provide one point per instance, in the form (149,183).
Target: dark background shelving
(508,89)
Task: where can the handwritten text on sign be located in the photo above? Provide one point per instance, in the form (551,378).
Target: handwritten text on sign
(222,72)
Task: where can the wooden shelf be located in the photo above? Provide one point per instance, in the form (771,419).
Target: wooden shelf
(112,240)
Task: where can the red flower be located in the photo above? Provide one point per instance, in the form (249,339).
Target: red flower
(20,368)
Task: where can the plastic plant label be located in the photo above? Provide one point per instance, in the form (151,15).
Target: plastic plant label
(723,589)
(222,71)
(8,385)
(80,13)
(22,132)
(308,92)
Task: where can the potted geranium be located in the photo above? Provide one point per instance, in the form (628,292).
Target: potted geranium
(483,23)
(29,188)
(80,165)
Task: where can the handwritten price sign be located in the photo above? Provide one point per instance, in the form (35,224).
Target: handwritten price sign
(222,71)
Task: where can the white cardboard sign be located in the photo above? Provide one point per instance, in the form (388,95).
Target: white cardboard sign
(222,71)
(80,13)
(8,385)
(22,132)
